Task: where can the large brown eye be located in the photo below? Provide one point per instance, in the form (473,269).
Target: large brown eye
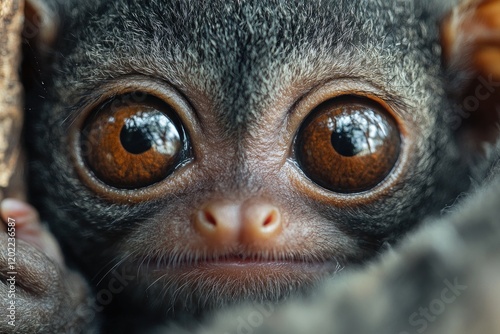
(348,145)
(132,145)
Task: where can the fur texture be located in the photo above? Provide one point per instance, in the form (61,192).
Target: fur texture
(244,58)
(443,279)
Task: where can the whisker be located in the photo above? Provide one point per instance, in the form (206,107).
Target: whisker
(156,280)
(113,267)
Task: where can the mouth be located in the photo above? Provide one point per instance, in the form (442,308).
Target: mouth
(212,281)
(246,266)
(245,261)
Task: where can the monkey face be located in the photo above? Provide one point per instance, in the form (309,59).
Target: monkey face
(243,221)
(218,162)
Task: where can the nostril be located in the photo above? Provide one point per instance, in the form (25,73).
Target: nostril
(260,222)
(271,223)
(271,218)
(218,222)
(268,220)
(210,218)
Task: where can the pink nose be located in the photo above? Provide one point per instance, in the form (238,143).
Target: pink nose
(228,223)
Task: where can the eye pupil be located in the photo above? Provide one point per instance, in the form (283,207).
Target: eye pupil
(344,143)
(133,146)
(348,145)
(357,133)
(135,140)
(144,130)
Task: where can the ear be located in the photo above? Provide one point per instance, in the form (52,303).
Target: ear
(40,22)
(39,35)
(470,37)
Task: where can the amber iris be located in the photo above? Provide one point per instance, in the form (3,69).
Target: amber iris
(348,145)
(132,146)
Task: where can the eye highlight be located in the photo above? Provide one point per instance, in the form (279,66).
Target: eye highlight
(348,144)
(133,145)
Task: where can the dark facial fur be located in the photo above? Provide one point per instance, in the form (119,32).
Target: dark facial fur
(242,66)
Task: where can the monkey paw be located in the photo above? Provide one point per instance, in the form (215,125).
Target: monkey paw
(39,295)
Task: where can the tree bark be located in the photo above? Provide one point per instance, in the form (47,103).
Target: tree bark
(11,107)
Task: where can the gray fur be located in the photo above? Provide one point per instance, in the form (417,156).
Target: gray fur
(243,56)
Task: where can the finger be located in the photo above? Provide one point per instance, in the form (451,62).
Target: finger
(28,227)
